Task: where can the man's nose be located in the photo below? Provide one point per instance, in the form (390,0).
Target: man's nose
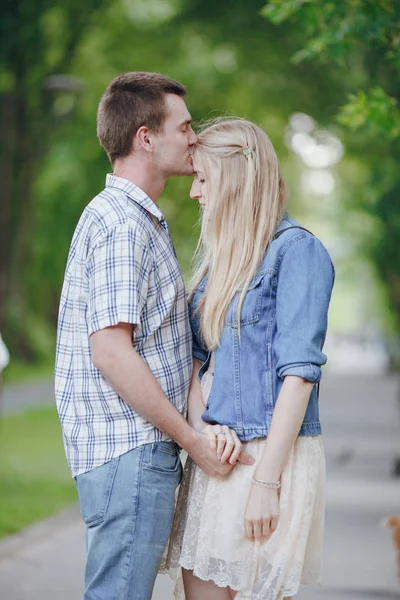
(192,137)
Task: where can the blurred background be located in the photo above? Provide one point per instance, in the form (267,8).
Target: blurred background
(323,80)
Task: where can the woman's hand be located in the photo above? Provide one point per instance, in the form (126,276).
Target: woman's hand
(262,513)
(224,442)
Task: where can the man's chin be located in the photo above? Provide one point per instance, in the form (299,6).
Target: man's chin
(186,171)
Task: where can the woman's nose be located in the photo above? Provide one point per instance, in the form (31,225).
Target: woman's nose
(195,193)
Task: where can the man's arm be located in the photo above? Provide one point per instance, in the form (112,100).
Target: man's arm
(130,376)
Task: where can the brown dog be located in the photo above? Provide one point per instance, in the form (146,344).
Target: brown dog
(394,523)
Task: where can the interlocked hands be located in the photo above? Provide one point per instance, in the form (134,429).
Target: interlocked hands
(225,443)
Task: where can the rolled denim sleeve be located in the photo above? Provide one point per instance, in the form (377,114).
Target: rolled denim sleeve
(304,288)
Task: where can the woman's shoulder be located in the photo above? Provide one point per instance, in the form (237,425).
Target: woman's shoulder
(293,243)
(291,231)
(289,228)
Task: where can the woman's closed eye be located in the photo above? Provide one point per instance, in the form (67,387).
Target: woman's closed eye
(197,176)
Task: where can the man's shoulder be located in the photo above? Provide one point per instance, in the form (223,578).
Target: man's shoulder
(111,209)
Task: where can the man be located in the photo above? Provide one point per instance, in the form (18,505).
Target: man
(124,343)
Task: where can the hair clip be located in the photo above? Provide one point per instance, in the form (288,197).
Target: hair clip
(248,152)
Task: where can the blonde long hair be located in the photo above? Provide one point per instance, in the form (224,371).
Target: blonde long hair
(245,200)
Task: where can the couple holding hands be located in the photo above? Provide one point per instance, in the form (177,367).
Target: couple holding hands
(229,372)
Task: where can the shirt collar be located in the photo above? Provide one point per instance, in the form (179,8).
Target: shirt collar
(283,223)
(135,193)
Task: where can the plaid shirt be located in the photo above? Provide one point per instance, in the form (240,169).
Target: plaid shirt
(121,267)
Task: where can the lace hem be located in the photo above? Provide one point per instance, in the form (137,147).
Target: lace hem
(208,532)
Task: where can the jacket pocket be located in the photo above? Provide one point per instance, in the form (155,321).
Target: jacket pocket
(94,491)
(251,307)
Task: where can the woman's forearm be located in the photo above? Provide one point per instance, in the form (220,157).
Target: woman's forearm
(195,401)
(287,419)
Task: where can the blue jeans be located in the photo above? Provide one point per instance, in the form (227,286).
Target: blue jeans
(127,505)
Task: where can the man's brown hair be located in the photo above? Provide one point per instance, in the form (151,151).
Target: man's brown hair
(133,100)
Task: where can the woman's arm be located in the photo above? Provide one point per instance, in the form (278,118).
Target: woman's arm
(262,512)
(304,289)
(223,441)
(195,401)
(287,419)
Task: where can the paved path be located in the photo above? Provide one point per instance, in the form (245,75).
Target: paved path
(362,433)
(16,397)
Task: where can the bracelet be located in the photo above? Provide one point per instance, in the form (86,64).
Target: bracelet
(271,485)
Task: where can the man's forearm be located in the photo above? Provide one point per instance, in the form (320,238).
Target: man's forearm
(131,378)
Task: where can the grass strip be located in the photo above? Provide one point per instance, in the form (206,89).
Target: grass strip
(35,481)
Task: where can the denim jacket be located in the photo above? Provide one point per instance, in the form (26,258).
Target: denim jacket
(282,331)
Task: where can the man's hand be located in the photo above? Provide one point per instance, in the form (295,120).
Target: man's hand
(207,460)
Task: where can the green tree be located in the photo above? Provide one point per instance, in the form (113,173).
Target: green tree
(362,39)
(38,42)
(230,60)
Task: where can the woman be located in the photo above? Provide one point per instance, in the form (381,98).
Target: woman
(258,305)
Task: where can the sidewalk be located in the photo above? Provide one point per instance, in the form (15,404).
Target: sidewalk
(361,432)
(16,397)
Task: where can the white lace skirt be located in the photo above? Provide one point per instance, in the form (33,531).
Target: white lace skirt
(208,538)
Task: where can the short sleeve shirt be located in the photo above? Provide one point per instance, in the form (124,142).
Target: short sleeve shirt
(121,268)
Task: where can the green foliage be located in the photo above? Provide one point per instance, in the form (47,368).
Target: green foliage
(278,12)
(339,32)
(228,68)
(61,55)
(375,109)
(39,39)
(363,38)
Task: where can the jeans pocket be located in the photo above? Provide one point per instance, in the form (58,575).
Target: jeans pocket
(164,458)
(94,491)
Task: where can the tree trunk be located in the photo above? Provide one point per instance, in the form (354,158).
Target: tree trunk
(7,163)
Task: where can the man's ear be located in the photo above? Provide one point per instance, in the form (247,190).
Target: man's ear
(144,138)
